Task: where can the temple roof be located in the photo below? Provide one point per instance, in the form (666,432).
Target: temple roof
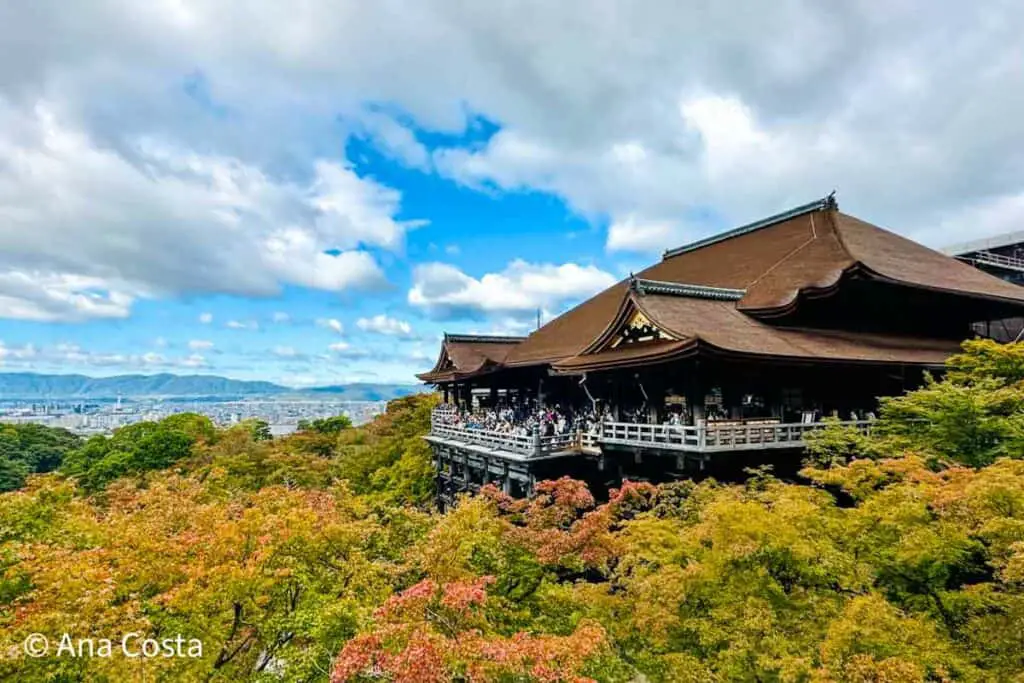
(805,250)
(465,355)
(686,324)
(716,294)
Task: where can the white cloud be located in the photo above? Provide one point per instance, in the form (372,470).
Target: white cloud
(394,139)
(195,223)
(705,115)
(992,216)
(48,296)
(285,352)
(521,288)
(206,318)
(332,324)
(60,357)
(242,325)
(160,343)
(200,344)
(419,355)
(344,350)
(194,361)
(382,324)
(16,353)
(281,317)
(513,327)
(631,233)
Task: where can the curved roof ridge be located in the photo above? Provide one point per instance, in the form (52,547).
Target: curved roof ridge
(482,338)
(822,204)
(643,286)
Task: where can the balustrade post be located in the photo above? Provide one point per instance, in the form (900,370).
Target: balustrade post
(536,443)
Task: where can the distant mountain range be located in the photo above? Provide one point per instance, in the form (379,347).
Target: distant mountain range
(31,385)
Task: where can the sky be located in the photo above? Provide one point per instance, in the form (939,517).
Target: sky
(312,192)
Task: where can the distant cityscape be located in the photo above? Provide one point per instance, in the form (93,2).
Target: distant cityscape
(99,416)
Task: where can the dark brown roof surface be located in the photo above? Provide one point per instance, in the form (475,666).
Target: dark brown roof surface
(903,260)
(731,264)
(466,355)
(719,325)
(773,263)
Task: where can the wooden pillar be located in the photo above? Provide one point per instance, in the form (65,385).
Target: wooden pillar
(506,479)
(615,391)
(494,396)
(696,390)
(773,398)
(446,393)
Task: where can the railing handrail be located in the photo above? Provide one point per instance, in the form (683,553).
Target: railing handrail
(706,436)
(993,259)
(711,436)
(526,444)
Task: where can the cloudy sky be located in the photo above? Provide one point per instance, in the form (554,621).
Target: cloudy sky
(310,192)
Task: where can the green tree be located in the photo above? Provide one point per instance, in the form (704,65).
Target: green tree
(12,474)
(971,423)
(260,429)
(196,427)
(31,448)
(135,449)
(326,425)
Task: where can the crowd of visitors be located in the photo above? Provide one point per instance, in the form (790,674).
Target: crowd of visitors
(523,421)
(564,419)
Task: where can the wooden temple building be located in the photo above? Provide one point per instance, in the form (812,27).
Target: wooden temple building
(722,355)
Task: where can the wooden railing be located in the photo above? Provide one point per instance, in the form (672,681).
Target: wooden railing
(717,437)
(989,258)
(529,445)
(590,441)
(524,445)
(708,437)
(559,442)
(678,437)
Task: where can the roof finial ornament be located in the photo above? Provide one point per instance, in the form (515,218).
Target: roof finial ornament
(635,284)
(830,200)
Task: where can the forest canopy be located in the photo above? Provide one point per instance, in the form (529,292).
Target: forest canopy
(317,557)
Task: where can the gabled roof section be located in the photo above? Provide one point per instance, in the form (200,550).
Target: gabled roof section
(824,204)
(899,259)
(700,325)
(629,327)
(466,355)
(727,263)
(806,250)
